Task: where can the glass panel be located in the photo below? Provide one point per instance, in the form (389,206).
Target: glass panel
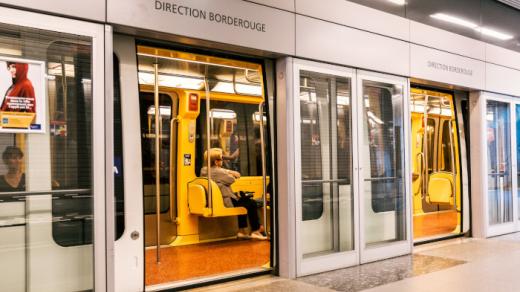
(445,153)
(385,214)
(499,164)
(119,186)
(236,131)
(166,108)
(46,227)
(517,107)
(326,160)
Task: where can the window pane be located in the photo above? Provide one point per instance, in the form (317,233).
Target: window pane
(46,227)
(383,172)
(500,199)
(167,110)
(326,164)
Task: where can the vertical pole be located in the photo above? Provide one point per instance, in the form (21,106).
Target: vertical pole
(157,162)
(264,178)
(208,138)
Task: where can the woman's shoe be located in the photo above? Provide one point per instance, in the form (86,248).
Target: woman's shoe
(258,236)
(241,235)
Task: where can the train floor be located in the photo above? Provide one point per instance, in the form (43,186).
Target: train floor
(205,259)
(461,264)
(432,224)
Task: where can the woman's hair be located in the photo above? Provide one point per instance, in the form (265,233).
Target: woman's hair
(12,152)
(214,155)
(10,63)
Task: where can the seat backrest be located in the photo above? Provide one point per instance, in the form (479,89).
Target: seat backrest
(198,201)
(440,189)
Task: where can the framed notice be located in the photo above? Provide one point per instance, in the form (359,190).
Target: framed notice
(23,102)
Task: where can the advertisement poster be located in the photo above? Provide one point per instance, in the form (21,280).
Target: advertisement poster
(23,105)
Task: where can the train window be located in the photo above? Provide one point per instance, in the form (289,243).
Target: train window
(119,187)
(431,129)
(70,109)
(236,130)
(167,110)
(446,150)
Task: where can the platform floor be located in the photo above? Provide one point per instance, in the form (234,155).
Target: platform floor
(475,265)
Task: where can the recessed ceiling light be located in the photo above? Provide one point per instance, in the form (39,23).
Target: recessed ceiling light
(495,34)
(462,22)
(398,2)
(454,20)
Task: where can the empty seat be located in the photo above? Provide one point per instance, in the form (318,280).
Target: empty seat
(198,203)
(440,189)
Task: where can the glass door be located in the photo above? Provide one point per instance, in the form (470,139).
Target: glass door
(383,185)
(326,205)
(501,140)
(350,185)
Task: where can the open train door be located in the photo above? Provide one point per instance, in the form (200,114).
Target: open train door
(129,235)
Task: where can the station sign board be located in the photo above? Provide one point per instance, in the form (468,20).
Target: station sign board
(232,22)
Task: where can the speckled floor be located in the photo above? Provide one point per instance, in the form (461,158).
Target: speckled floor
(379,273)
(490,265)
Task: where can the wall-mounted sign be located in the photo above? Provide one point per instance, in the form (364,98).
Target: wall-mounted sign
(233,22)
(23,97)
(434,65)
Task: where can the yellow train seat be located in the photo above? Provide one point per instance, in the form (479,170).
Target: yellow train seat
(440,189)
(198,202)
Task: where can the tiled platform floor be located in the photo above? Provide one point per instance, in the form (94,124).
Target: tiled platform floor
(491,265)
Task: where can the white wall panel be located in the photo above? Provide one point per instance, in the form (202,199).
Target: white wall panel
(356,15)
(91,9)
(194,19)
(329,42)
(501,56)
(435,65)
(433,37)
(282,4)
(502,80)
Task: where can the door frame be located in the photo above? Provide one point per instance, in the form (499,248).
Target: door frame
(480,186)
(359,254)
(402,247)
(96,33)
(329,261)
(128,253)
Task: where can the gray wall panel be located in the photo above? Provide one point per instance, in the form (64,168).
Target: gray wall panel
(88,9)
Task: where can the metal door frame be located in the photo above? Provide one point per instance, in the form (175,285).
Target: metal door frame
(97,35)
(402,247)
(508,227)
(339,259)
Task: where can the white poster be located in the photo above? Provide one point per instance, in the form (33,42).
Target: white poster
(23,103)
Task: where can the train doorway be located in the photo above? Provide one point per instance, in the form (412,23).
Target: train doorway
(437,171)
(190,103)
(205,215)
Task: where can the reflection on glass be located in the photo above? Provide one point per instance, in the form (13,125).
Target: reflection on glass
(327,210)
(46,214)
(385,216)
(500,201)
(518,153)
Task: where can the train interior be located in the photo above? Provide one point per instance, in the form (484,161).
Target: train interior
(436,165)
(203,102)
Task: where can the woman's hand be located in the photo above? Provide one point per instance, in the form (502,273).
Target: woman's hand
(233,173)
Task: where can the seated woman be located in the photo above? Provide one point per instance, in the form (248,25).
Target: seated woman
(224,178)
